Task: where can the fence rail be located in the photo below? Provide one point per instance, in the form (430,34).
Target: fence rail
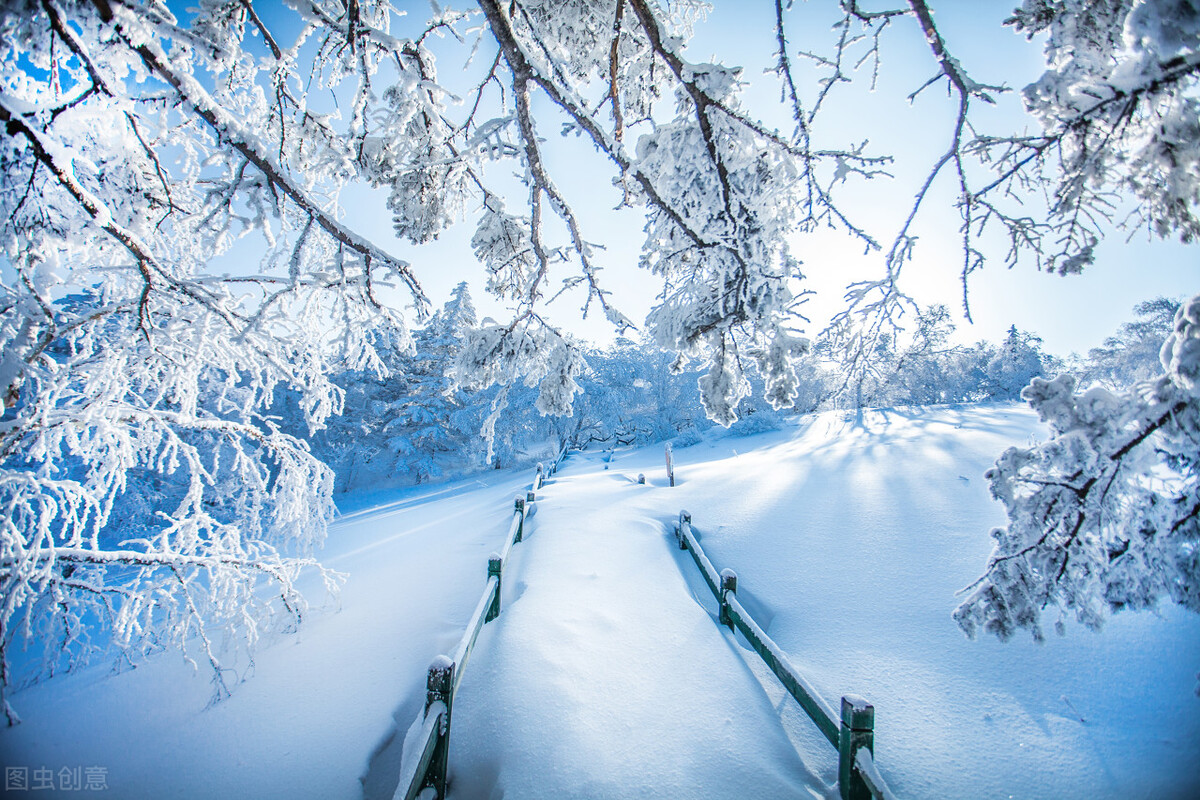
(423,770)
(852,733)
(870,774)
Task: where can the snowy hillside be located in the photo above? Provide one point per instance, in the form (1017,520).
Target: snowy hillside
(606,675)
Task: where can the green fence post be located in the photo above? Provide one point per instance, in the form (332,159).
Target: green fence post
(495,566)
(728,585)
(437,687)
(857,732)
(519,508)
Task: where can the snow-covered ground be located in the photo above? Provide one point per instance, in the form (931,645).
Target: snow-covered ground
(606,675)
(316,716)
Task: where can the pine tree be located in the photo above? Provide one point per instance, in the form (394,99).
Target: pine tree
(1017,361)
(433,420)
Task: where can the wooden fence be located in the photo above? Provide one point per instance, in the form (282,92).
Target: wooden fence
(424,767)
(852,733)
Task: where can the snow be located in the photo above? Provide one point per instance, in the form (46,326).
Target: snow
(317,715)
(866,764)
(603,677)
(606,674)
(853,539)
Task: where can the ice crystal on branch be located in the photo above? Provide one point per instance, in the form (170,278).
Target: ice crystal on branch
(1119,111)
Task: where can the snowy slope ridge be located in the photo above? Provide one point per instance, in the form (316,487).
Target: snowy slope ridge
(607,676)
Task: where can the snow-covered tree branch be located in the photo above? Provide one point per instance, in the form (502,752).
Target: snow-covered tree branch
(1104,515)
(143,470)
(1118,150)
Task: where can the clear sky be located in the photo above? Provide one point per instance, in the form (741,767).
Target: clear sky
(1070,313)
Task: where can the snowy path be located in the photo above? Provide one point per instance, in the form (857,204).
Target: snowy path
(604,677)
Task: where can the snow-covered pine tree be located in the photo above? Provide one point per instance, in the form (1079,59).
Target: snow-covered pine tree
(1017,361)
(433,419)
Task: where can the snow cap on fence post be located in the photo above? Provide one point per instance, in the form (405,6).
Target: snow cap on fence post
(857,731)
(438,682)
(728,586)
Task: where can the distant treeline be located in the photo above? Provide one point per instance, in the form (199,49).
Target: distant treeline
(413,425)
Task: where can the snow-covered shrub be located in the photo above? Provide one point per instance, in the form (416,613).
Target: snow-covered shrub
(760,422)
(687,438)
(1017,361)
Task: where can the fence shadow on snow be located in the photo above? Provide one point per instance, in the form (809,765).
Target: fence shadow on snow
(424,766)
(852,732)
